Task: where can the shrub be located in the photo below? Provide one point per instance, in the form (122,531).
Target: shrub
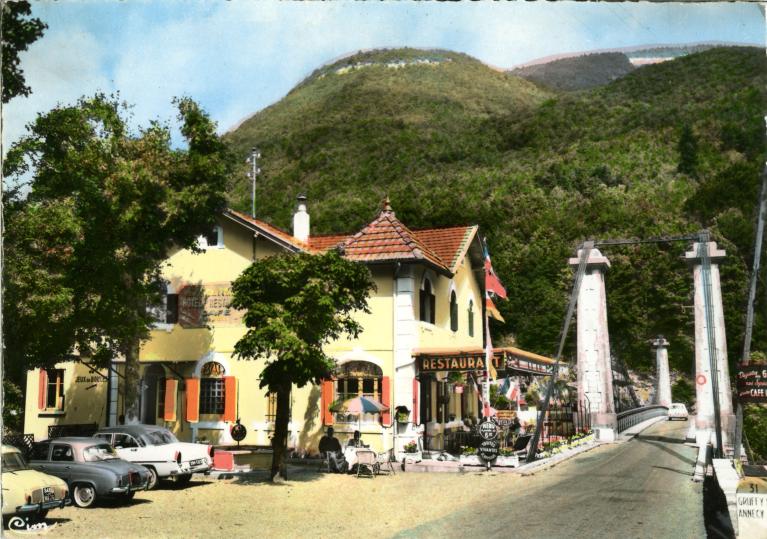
(755,429)
(682,391)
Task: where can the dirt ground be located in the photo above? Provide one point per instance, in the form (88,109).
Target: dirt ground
(311,504)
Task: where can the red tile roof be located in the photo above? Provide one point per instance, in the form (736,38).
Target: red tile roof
(450,244)
(272,230)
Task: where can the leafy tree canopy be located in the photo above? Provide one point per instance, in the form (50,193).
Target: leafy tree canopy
(19,31)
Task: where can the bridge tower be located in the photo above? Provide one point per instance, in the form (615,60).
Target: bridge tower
(595,376)
(663,383)
(710,346)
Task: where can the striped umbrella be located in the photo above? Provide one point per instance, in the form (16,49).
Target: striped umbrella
(358,406)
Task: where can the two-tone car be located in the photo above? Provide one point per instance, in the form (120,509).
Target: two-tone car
(28,493)
(91,468)
(160,451)
(677,410)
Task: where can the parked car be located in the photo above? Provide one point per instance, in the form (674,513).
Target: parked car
(91,468)
(27,492)
(160,451)
(677,410)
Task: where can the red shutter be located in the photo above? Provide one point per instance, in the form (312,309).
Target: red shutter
(230,399)
(326,399)
(171,387)
(415,401)
(386,401)
(42,389)
(193,400)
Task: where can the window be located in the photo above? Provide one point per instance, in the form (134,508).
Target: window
(471,318)
(106,436)
(166,311)
(39,451)
(212,396)
(212,239)
(62,453)
(453,312)
(161,398)
(358,378)
(54,399)
(271,407)
(125,441)
(426,301)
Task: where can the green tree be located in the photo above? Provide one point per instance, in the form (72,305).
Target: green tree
(682,391)
(18,31)
(105,207)
(688,152)
(295,304)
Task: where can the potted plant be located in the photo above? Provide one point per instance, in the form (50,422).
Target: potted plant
(506,457)
(469,457)
(410,453)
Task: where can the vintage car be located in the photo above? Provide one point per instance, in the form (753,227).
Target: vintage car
(27,492)
(677,410)
(91,468)
(160,451)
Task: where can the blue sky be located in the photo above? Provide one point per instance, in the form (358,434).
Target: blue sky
(237,57)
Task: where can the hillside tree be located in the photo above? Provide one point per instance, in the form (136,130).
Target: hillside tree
(294,305)
(103,210)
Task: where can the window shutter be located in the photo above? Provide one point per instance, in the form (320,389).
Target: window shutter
(193,400)
(171,386)
(42,395)
(326,399)
(171,308)
(386,401)
(230,399)
(432,310)
(415,401)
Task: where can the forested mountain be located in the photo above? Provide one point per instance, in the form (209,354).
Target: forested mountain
(667,149)
(577,73)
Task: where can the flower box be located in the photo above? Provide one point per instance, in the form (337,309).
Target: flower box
(511,460)
(470,460)
(409,458)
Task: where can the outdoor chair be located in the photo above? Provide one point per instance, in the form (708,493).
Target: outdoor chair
(521,443)
(368,460)
(325,462)
(385,460)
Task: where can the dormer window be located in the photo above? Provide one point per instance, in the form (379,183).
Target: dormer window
(471,318)
(213,239)
(453,312)
(427,302)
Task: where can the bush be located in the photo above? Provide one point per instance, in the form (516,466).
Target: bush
(682,391)
(755,429)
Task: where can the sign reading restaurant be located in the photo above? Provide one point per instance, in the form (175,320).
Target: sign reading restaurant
(457,363)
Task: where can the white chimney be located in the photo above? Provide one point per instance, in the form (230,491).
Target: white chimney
(301,220)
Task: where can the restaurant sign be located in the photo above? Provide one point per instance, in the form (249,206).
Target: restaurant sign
(752,383)
(208,304)
(457,363)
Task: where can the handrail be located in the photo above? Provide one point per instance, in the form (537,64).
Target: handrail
(629,418)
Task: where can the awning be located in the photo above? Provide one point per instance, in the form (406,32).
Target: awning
(509,359)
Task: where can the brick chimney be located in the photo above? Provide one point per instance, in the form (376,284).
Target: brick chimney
(301,220)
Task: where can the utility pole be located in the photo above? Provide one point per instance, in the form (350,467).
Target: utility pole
(254,170)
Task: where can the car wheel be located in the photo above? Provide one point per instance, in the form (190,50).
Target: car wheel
(84,495)
(182,480)
(152,482)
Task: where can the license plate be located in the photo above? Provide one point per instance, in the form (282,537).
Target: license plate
(196,462)
(48,494)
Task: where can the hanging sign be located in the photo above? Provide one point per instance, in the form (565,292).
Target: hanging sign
(752,383)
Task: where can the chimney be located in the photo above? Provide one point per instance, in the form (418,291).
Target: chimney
(301,220)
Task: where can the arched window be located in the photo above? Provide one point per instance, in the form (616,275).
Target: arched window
(358,378)
(471,318)
(427,302)
(453,312)
(212,389)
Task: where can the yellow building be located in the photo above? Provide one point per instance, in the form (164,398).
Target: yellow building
(429,303)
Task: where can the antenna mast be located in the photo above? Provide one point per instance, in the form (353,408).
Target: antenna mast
(255,154)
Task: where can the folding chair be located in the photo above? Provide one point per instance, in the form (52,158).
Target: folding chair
(366,459)
(384,460)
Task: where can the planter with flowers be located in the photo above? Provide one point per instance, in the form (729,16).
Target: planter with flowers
(506,457)
(469,457)
(410,453)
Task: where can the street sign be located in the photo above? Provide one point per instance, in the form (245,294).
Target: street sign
(752,383)
(488,429)
(751,501)
(488,450)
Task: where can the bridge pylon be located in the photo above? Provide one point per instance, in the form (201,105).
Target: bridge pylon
(663,378)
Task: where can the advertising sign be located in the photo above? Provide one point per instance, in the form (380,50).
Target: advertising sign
(488,429)
(208,304)
(488,450)
(505,417)
(752,383)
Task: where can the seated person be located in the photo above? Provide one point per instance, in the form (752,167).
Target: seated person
(356,441)
(330,445)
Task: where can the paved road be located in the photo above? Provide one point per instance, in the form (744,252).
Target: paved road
(641,488)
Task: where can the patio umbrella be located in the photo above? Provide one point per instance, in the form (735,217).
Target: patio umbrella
(360,405)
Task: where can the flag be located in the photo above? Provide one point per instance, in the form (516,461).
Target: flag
(489,367)
(492,310)
(492,282)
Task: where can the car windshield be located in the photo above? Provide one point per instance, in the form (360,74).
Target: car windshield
(99,452)
(159,437)
(13,462)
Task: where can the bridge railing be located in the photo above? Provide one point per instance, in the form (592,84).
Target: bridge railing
(632,417)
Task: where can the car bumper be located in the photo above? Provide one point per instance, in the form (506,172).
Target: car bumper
(42,506)
(185,469)
(130,488)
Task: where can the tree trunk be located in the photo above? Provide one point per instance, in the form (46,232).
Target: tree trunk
(132,383)
(280,439)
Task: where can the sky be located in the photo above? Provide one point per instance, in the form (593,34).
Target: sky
(237,57)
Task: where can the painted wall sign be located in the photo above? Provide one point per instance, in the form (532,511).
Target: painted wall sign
(751,502)
(208,304)
(752,383)
(94,379)
(212,369)
(456,363)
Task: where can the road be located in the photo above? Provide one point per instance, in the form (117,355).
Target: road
(642,488)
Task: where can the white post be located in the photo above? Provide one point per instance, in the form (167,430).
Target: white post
(704,421)
(663,382)
(595,374)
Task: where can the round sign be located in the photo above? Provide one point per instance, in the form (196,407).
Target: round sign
(700,379)
(488,429)
(238,432)
(488,450)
